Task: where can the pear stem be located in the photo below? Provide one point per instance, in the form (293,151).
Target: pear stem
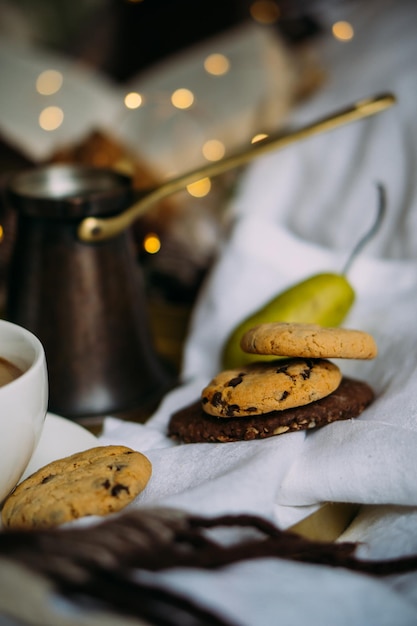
(364,240)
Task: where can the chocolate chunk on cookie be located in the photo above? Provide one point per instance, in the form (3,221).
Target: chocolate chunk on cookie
(309,341)
(98,481)
(269,386)
(192,425)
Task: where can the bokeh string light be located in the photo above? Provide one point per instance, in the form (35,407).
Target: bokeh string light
(264,11)
(182,98)
(51,118)
(217,64)
(49,82)
(200,188)
(133,100)
(343,31)
(213,150)
(151,243)
(259,137)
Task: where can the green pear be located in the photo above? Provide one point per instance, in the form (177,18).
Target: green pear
(323,299)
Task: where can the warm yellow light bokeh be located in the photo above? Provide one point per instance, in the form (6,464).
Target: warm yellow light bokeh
(51,118)
(213,150)
(182,98)
(152,243)
(343,31)
(49,82)
(200,188)
(217,64)
(264,11)
(133,100)
(259,137)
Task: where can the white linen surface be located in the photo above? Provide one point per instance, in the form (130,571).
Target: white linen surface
(298,212)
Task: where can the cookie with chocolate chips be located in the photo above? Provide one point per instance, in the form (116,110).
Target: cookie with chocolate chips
(193,425)
(269,386)
(98,481)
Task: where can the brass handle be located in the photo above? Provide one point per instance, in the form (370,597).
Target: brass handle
(98,229)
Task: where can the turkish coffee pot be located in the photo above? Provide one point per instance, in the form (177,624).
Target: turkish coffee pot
(85,301)
(75,281)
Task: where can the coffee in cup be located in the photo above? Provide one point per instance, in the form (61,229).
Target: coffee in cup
(8,372)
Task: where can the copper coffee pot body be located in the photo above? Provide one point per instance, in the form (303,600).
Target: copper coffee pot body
(86,302)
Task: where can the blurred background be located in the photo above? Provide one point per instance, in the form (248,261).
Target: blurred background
(154,88)
(123,37)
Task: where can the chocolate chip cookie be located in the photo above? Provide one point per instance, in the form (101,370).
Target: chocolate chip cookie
(192,425)
(98,481)
(269,386)
(309,341)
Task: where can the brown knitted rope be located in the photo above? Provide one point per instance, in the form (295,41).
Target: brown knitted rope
(97,562)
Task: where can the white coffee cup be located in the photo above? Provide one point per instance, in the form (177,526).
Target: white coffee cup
(23,403)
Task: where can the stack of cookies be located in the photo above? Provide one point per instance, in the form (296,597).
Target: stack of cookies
(302,389)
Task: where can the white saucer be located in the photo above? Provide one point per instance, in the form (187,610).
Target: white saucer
(60,437)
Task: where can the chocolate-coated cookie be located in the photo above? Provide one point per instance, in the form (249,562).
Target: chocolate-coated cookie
(192,425)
